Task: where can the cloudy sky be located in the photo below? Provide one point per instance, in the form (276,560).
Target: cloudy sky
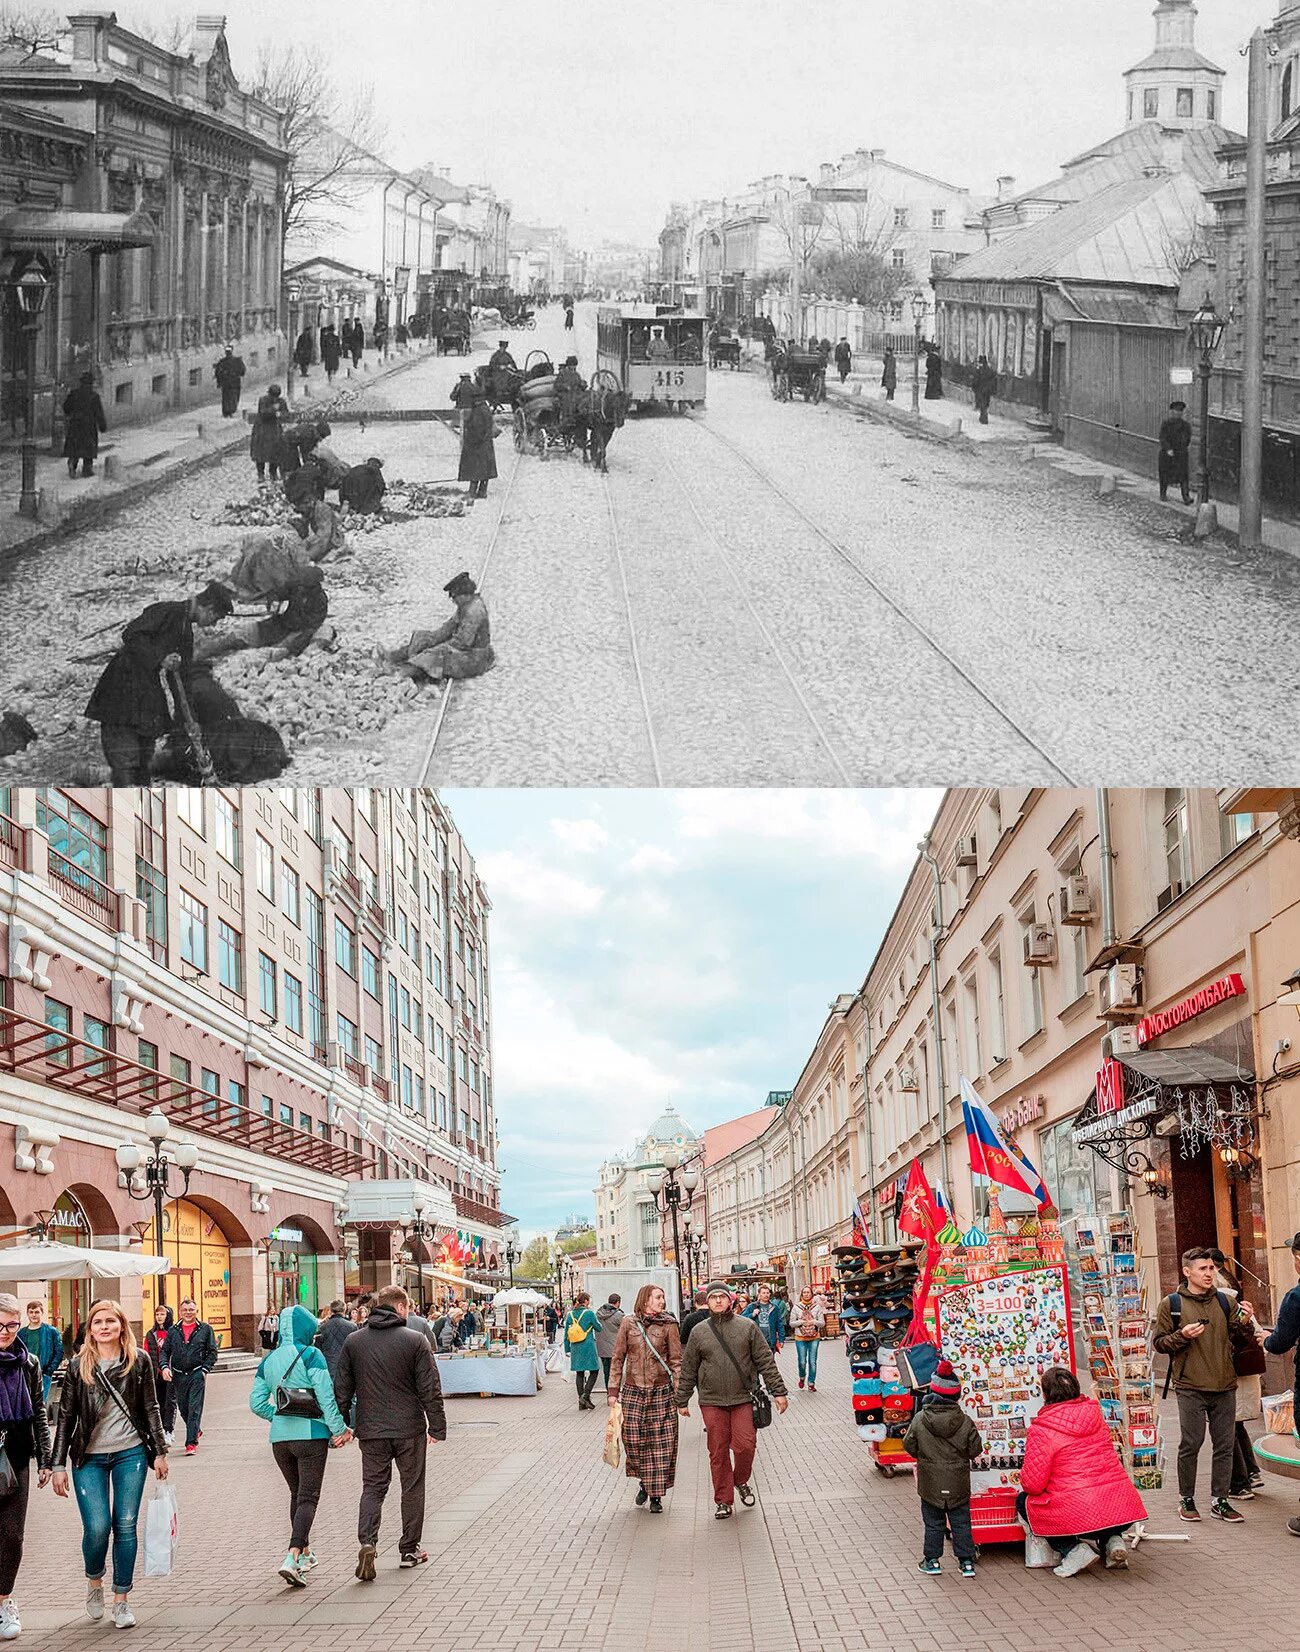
(597,115)
(656,947)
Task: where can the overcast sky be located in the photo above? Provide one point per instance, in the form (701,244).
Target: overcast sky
(596,114)
(656,947)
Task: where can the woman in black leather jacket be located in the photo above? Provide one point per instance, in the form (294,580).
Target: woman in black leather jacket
(110,1428)
(26,1436)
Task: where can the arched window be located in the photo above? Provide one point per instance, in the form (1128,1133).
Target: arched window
(1286,90)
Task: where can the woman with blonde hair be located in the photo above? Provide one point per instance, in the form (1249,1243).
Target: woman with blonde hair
(643,1373)
(110,1427)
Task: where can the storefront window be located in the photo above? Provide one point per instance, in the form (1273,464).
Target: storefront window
(199,1253)
(291,1264)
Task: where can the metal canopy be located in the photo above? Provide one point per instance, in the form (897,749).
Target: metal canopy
(1191,1065)
(29,227)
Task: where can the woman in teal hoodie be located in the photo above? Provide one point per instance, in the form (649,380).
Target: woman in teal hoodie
(299,1444)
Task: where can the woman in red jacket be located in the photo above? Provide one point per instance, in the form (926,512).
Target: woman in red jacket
(1074,1490)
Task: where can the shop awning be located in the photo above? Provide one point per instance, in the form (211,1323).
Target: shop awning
(1191,1065)
(29,227)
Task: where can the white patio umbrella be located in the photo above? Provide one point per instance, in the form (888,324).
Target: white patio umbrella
(519,1297)
(54,1261)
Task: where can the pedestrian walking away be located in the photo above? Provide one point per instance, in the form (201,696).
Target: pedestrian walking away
(154,1338)
(843,359)
(129,701)
(333,1333)
(458,649)
(331,349)
(945,1442)
(889,376)
(302,352)
(265,444)
(1175,447)
(1199,1327)
(188,1354)
(984,386)
(84,423)
(933,374)
(110,1430)
(25,1438)
(580,1327)
(806,1324)
(611,1316)
(643,1375)
(728,1361)
(1285,1336)
(229,374)
(293,1390)
(389,1370)
(44,1344)
(1074,1491)
(478,459)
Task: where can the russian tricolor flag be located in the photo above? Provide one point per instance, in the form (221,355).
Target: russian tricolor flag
(991,1154)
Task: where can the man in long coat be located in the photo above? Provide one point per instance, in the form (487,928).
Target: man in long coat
(1175,447)
(330,352)
(229,373)
(889,378)
(933,374)
(83,414)
(302,352)
(478,460)
(460,648)
(129,701)
(984,386)
(843,358)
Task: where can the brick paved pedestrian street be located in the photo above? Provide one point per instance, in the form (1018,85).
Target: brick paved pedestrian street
(536,1544)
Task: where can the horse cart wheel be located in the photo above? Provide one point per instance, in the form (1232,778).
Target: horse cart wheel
(819,388)
(521,431)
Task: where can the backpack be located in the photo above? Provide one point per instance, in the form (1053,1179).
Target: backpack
(1176,1321)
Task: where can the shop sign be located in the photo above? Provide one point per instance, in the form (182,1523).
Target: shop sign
(1218,992)
(1103,1127)
(291,1236)
(1110,1086)
(1023,1110)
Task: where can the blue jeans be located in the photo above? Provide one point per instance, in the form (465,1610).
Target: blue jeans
(109,1487)
(807,1352)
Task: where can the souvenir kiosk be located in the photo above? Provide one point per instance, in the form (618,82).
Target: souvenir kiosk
(876,1310)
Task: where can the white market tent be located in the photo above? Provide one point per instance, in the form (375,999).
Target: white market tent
(54,1261)
(455,1279)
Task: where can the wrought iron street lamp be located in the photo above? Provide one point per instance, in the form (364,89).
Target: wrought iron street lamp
(918,316)
(30,290)
(416,1230)
(512,1256)
(697,1250)
(1205,330)
(156,1167)
(673,1193)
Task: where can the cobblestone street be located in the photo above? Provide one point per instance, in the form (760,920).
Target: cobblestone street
(810,598)
(521,1501)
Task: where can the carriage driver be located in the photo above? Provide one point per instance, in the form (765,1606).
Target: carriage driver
(570,387)
(501,357)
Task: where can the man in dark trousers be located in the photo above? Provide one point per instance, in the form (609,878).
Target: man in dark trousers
(84,423)
(129,700)
(1175,446)
(388,1369)
(843,358)
(188,1354)
(1285,1336)
(889,375)
(333,1333)
(984,385)
(229,374)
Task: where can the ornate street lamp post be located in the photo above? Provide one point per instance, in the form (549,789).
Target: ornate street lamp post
(31,290)
(416,1230)
(671,1194)
(156,1166)
(512,1256)
(918,316)
(1205,330)
(699,1251)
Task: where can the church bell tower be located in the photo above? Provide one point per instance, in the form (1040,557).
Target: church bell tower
(1175,85)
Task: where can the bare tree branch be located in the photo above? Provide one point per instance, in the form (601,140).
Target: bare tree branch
(172,32)
(36,31)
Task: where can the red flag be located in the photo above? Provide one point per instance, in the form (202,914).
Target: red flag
(920,1215)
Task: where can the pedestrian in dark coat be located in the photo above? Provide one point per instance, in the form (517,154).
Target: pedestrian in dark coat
(889,378)
(302,352)
(264,445)
(84,422)
(933,374)
(229,373)
(363,487)
(843,358)
(984,385)
(358,341)
(1175,446)
(330,352)
(945,1442)
(478,460)
(129,701)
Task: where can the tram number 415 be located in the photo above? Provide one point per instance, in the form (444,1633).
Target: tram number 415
(669,379)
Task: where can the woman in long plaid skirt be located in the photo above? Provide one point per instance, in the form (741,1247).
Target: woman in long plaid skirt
(643,1377)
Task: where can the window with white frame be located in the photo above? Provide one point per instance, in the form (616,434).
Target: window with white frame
(189,806)
(265,868)
(971,1016)
(1031,986)
(227,833)
(1177,839)
(997,1009)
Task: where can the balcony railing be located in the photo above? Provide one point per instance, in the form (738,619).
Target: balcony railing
(84,892)
(38,1051)
(356,1068)
(478,1210)
(11,843)
(381,1086)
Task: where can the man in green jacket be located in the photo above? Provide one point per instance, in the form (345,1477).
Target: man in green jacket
(725,1358)
(1198,1327)
(300,1445)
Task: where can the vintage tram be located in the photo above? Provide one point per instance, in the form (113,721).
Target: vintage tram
(657,353)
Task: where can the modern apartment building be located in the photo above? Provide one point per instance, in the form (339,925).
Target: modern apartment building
(299,980)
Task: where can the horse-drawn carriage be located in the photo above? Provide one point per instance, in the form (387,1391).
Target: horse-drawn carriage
(724,348)
(453,332)
(798,372)
(548,416)
(520,317)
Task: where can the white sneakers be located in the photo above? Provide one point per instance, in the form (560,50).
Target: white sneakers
(1080,1557)
(123,1616)
(95,1601)
(10,1628)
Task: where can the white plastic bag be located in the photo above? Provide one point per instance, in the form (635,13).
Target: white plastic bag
(553,1361)
(161,1530)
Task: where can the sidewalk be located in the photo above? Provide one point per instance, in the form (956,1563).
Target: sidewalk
(137,457)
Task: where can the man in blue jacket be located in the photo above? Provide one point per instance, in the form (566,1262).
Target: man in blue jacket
(44,1344)
(1284,1337)
(769,1315)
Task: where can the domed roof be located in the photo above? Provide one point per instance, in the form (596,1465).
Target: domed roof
(671,1126)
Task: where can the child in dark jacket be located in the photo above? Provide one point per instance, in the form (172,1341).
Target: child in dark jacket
(944,1442)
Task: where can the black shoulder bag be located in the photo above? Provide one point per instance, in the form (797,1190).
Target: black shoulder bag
(297,1402)
(760,1396)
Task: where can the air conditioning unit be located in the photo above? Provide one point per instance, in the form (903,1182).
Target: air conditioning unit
(1119,989)
(1076,900)
(968,851)
(1119,1041)
(1040,945)
(907,1080)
